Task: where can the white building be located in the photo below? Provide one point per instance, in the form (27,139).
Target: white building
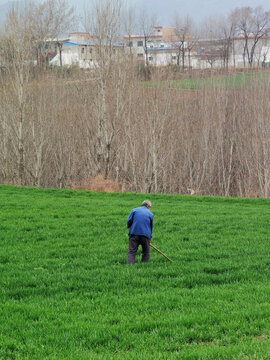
(163,48)
(83,54)
(158,38)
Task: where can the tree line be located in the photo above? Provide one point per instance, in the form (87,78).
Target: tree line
(59,128)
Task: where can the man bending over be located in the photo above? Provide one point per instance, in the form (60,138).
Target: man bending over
(140,224)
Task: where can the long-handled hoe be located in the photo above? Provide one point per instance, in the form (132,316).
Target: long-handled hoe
(152,246)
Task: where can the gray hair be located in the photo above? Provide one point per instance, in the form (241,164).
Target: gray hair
(146,203)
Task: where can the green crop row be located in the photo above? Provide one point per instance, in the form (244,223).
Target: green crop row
(227,82)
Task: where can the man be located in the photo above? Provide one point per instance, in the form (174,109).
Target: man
(140,224)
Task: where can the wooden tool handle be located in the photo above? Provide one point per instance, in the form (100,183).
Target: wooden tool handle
(152,246)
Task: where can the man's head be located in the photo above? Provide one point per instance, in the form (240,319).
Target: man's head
(147,203)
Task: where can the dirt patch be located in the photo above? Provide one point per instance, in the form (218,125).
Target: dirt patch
(97,183)
(262,338)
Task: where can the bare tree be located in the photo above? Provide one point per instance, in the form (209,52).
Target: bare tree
(25,35)
(105,20)
(146,28)
(49,21)
(214,44)
(16,57)
(228,26)
(184,43)
(251,25)
(192,42)
(129,25)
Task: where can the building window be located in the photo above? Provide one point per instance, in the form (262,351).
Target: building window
(158,30)
(130,44)
(174,57)
(140,43)
(139,55)
(162,45)
(82,50)
(90,51)
(150,58)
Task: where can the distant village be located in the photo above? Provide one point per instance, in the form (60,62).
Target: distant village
(163,47)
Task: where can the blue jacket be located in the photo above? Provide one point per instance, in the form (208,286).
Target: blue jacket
(140,222)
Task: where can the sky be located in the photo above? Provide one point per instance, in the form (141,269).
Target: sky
(197,9)
(165,9)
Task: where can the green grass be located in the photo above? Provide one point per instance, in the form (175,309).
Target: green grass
(66,293)
(228,82)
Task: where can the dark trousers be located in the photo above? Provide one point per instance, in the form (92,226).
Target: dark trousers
(134,242)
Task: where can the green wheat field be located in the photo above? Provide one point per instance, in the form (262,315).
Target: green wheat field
(66,292)
(227,82)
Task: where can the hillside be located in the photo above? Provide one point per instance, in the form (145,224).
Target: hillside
(66,292)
